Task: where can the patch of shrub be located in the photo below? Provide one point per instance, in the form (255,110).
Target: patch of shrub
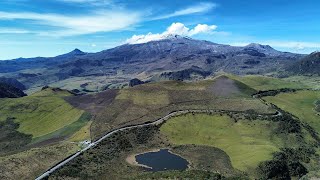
(96,161)
(10,138)
(317,108)
(286,163)
(274,169)
(297,169)
(287,124)
(192,174)
(273,92)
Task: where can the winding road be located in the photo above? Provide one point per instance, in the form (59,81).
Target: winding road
(157,122)
(93,144)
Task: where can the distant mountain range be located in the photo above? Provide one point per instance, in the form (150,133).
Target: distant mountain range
(309,65)
(147,60)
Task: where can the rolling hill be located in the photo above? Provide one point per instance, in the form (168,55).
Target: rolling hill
(42,114)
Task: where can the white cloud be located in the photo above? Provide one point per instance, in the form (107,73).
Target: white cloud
(103,21)
(202,28)
(173,29)
(291,46)
(284,44)
(199,8)
(14,31)
(89,2)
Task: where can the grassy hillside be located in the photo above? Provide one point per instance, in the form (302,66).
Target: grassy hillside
(29,164)
(247,143)
(261,148)
(35,121)
(82,134)
(266,83)
(308,81)
(74,129)
(41,113)
(301,104)
(12,140)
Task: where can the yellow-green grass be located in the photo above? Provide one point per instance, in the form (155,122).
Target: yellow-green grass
(309,81)
(246,142)
(41,113)
(300,104)
(67,130)
(82,134)
(33,162)
(267,83)
(156,97)
(159,93)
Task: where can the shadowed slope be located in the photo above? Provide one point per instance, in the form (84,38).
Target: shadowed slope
(226,87)
(8,91)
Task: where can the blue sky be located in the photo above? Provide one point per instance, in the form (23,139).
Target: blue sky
(30,28)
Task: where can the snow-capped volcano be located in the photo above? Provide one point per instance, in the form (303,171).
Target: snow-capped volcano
(140,39)
(176,30)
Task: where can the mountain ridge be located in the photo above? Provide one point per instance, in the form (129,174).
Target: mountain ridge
(128,61)
(308,65)
(169,37)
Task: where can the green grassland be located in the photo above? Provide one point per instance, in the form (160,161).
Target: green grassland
(41,113)
(82,134)
(145,97)
(267,83)
(308,81)
(301,104)
(33,129)
(68,130)
(246,142)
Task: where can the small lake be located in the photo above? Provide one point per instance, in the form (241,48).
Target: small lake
(162,160)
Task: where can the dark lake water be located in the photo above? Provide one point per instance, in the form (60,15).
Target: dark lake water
(162,160)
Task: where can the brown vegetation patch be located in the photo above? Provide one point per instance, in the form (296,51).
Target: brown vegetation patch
(224,87)
(93,103)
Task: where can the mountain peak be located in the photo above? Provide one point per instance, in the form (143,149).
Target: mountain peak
(174,36)
(316,54)
(76,51)
(259,46)
(141,39)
